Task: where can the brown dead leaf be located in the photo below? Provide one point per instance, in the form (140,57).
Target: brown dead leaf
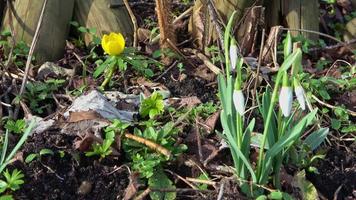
(132,188)
(83,115)
(205,73)
(210,122)
(84,144)
(189,101)
(143,35)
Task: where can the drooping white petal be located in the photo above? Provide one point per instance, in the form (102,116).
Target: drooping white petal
(286,100)
(239,101)
(233,56)
(299,92)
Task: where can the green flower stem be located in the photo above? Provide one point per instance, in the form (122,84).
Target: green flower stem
(107,79)
(268,121)
(239,139)
(279,159)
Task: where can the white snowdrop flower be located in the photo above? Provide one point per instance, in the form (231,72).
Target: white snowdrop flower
(286,100)
(299,92)
(239,101)
(233,56)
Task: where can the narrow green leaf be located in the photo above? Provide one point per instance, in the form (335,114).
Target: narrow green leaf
(290,60)
(316,138)
(30,157)
(46,152)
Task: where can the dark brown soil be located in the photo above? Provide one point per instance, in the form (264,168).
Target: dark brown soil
(53,177)
(191,85)
(338,169)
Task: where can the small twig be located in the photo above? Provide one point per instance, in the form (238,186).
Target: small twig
(166,71)
(333,46)
(143,194)
(182,179)
(258,68)
(214,17)
(331,106)
(221,191)
(149,144)
(30,54)
(118,168)
(175,21)
(5,104)
(195,180)
(134,22)
(84,68)
(337,192)
(198,138)
(52,171)
(314,32)
(205,60)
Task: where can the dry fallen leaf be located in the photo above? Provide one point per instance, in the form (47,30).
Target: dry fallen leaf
(189,101)
(132,188)
(82,115)
(210,122)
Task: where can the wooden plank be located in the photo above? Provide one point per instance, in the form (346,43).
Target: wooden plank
(54,29)
(291,11)
(310,18)
(104,15)
(273,12)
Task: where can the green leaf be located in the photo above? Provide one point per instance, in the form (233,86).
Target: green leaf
(106,64)
(324,94)
(159,180)
(3,185)
(308,190)
(286,141)
(46,152)
(30,157)
(82,29)
(6,197)
(290,60)
(316,138)
(287,45)
(349,129)
(261,197)
(275,195)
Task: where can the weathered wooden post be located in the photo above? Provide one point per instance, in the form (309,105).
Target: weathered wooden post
(302,14)
(104,15)
(53,32)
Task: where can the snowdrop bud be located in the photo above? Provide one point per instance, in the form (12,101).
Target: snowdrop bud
(287,50)
(286,100)
(239,101)
(299,92)
(233,55)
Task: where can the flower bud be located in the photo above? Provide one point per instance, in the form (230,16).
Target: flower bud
(299,92)
(286,100)
(239,101)
(233,55)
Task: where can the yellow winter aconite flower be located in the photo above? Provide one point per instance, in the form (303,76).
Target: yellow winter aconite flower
(113,44)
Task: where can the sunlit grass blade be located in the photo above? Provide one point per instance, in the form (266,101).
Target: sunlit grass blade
(18,145)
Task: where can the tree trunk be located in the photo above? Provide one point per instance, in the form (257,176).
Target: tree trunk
(53,32)
(104,15)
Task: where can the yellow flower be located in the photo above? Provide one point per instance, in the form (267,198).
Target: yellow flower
(113,44)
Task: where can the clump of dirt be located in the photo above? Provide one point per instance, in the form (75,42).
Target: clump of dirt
(338,169)
(72,176)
